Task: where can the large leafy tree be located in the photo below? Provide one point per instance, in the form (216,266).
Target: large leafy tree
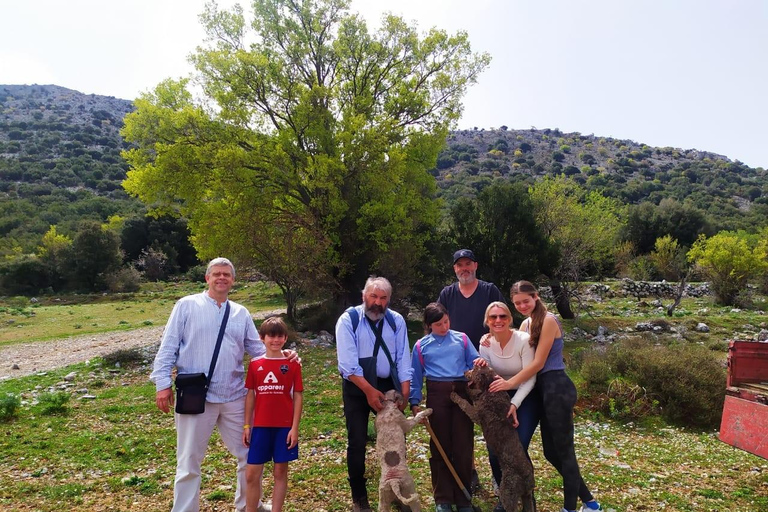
(306,153)
(584,226)
(500,227)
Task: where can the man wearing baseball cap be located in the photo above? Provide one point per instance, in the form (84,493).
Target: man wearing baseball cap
(467,298)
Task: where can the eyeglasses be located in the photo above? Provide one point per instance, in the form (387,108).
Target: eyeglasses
(500,317)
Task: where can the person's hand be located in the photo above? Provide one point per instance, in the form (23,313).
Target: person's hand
(164,399)
(480,362)
(292,355)
(247,436)
(486,340)
(375,397)
(293,438)
(499,384)
(513,414)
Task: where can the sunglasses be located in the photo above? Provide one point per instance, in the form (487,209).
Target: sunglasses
(500,317)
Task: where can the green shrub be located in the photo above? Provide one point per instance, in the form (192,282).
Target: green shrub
(637,378)
(53,402)
(9,406)
(125,280)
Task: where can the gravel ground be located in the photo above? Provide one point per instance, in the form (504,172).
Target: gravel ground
(28,358)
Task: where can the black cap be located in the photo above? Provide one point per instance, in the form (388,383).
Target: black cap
(463,253)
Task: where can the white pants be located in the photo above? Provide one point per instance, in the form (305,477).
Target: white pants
(193,431)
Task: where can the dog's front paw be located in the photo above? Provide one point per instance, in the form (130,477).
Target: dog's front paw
(455,397)
(427,412)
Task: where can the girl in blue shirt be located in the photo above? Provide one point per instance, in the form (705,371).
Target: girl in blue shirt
(442,356)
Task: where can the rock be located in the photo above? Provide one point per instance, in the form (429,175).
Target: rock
(70,376)
(34,300)
(643,326)
(762,336)
(14,366)
(602,331)
(87,397)
(702,327)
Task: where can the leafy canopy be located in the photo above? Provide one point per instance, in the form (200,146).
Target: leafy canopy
(309,143)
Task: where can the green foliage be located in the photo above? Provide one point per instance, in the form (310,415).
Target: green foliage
(9,406)
(500,227)
(53,402)
(124,357)
(95,255)
(124,280)
(636,378)
(729,262)
(315,158)
(584,226)
(24,275)
(668,258)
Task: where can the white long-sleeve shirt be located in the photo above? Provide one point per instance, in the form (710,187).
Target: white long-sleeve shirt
(516,355)
(190,337)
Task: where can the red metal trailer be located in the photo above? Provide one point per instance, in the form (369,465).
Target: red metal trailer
(745,412)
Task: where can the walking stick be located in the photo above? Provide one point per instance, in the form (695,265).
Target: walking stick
(447,461)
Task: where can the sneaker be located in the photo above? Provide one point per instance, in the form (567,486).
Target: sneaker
(443,507)
(264,507)
(474,483)
(587,508)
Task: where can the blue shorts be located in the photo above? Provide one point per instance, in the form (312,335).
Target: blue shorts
(270,443)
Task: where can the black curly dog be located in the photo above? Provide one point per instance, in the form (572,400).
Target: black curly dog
(489,410)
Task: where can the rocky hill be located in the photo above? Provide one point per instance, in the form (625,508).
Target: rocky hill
(59,160)
(60,163)
(628,170)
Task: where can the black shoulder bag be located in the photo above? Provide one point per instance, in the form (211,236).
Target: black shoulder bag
(191,388)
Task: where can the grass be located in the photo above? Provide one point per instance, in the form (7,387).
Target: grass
(70,315)
(116,452)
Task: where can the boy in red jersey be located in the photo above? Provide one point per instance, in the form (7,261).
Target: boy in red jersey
(274,403)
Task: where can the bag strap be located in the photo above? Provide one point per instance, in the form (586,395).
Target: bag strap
(354,317)
(377,330)
(218,344)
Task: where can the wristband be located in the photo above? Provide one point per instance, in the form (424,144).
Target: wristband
(246,427)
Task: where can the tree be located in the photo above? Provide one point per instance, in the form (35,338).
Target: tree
(729,262)
(310,123)
(584,226)
(54,252)
(669,258)
(500,227)
(95,254)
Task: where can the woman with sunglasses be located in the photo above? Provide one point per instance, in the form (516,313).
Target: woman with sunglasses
(557,393)
(508,351)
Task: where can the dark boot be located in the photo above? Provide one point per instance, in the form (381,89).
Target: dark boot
(361,505)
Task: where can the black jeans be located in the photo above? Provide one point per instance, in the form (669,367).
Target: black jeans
(356,413)
(558,396)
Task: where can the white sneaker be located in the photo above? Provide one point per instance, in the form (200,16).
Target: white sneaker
(585,508)
(264,507)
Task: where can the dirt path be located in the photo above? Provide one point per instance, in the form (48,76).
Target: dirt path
(28,358)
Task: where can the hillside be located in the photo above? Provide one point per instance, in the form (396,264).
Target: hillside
(733,194)
(59,161)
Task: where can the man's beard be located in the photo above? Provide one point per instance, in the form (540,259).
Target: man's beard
(467,277)
(375,312)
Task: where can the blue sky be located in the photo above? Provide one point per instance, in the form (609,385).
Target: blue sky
(681,73)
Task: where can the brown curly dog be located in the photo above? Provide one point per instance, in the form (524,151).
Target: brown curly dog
(489,410)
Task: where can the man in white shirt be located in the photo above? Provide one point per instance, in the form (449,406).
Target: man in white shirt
(188,343)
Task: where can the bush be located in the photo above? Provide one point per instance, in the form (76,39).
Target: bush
(9,406)
(125,280)
(53,402)
(687,382)
(124,357)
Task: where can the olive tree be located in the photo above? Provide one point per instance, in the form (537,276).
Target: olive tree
(307,153)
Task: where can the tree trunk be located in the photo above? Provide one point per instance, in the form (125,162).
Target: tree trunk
(562,300)
(679,296)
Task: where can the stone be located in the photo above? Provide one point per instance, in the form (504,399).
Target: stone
(702,327)
(70,376)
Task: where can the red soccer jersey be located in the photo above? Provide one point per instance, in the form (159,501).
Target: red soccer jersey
(274,381)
